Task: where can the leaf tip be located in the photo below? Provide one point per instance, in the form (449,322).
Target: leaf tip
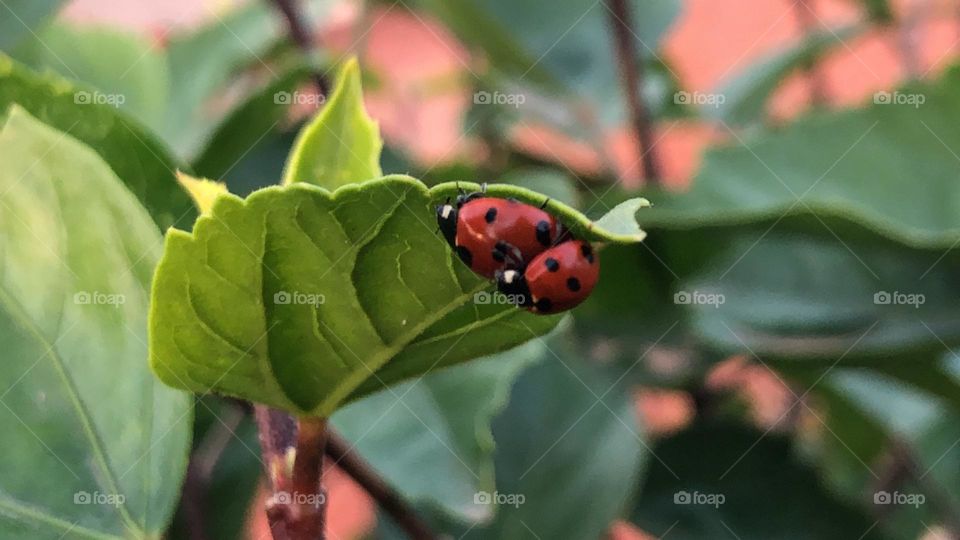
(202,191)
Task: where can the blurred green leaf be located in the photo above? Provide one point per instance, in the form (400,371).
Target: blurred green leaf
(84,455)
(879,11)
(342,144)
(569,452)
(21,18)
(142,162)
(804,289)
(888,167)
(747,94)
(129,72)
(431,438)
(202,63)
(722,480)
(260,118)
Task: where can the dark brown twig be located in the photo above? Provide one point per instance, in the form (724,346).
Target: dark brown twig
(200,470)
(806,17)
(301,36)
(631,75)
(339,451)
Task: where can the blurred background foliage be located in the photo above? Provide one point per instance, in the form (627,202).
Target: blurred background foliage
(790,196)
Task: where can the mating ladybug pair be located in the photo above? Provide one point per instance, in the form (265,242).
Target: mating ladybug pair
(527,251)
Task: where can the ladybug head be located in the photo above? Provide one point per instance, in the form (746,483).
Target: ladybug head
(447,221)
(513,284)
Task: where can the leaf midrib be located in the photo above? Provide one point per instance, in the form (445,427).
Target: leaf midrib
(353,381)
(18,313)
(22,511)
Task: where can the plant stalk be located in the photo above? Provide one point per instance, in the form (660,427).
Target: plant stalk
(631,77)
(340,452)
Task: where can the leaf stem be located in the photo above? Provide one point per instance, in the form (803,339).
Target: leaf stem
(339,450)
(631,77)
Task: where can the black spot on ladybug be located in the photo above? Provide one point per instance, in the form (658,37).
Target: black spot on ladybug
(498,255)
(543,233)
(543,305)
(465,255)
(490,215)
(587,252)
(551,264)
(573,284)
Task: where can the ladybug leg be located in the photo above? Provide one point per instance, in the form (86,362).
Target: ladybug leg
(545,203)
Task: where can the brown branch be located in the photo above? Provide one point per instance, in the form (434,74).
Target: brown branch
(339,451)
(631,77)
(296,510)
(301,37)
(904,466)
(807,19)
(200,470)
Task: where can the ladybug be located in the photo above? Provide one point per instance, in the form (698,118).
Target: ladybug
(491,234)
(556,280)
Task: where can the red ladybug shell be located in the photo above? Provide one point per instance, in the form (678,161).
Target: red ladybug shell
(488,227)
(561,277)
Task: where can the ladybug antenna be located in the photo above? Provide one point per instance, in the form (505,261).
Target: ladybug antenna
(545,203)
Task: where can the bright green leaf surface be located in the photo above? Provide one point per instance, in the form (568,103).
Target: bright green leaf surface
(96,446)
(890,167)
(142,162)
(431,438)
(341,145)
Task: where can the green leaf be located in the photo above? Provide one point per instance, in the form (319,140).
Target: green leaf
(78,254)
(568,436)
(143,163)
(888,167)
(725,480)
(802,289)
(341,145)
(21,17)
(431,438)
(302,299)
(747,94)
(129,72)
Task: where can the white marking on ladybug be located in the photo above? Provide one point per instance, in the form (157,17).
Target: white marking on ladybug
(509,276)
(445,213)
